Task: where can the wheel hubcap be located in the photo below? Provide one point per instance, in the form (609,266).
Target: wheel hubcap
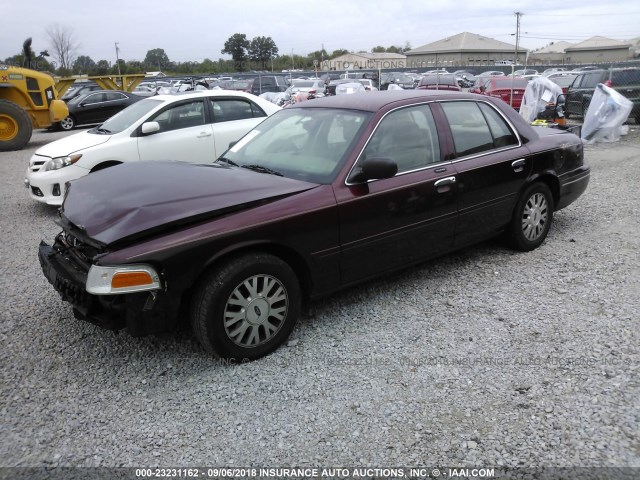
(534,217)
(8,127)
(255,311)
(66,123)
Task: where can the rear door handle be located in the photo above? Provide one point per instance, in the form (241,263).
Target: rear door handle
(518,165)
(204,134)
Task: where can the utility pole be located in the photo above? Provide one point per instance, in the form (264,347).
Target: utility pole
(518,15)
(117,58)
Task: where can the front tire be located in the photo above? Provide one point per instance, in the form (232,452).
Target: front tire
(246,308)
(532,218)
(15,126)
(67,123)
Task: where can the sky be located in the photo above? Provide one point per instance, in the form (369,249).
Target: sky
(192,30)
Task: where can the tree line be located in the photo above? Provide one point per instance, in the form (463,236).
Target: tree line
(258,54)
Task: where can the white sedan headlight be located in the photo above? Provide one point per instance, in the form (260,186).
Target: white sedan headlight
(122,279)
(59,162)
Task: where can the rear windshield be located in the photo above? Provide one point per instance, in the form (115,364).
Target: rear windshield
(510,83)
(438,80)
(625,77)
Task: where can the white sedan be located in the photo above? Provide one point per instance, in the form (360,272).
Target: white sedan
(194,127)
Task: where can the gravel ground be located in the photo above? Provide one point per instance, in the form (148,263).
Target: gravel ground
(487,357)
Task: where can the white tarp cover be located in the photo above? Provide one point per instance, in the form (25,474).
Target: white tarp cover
(353,87)
(539,92)
(607,112)
(274,97)
(393,86)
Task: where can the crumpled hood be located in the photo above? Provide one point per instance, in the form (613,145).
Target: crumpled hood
(71,144)
(125,200)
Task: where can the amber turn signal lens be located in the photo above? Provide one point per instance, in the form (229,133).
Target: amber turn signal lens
(131,279)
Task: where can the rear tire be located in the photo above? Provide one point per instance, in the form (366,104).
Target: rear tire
(15,126)
(247,307)
(532,218)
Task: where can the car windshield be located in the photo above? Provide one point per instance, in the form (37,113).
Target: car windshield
(127,117)
(307,144)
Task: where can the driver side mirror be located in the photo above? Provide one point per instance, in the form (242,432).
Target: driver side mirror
(374,169)
(150,127)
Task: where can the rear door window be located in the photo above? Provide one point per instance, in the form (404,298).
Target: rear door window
(477,128)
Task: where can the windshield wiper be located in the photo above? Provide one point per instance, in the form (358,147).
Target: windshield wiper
(102,130)
(261,169)
(226,160)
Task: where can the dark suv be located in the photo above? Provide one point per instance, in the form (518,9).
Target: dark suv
(269,83)
(625,81)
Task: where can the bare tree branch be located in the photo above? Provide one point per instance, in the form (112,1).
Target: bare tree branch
(63,44)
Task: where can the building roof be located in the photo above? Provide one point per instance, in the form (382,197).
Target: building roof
(599,43)
(555,47)
(465,42)
(378,56)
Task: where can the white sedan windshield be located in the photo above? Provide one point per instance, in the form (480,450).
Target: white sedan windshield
(127,117)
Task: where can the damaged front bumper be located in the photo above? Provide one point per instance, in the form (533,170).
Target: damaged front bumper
(140,313)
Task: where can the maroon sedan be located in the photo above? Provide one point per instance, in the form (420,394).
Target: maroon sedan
(322,195)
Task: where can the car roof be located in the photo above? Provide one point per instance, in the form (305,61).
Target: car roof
(374,101)
(202,93)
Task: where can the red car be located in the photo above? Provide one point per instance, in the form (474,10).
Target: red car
(509,89)
(319,196)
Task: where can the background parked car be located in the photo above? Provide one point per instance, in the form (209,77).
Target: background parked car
(243,85)
(80,88)
(509,89)
(439,82)
(396,78)
(492,73)
(525,71)
(145,90)
(625,81)
(96,107)
(314,88)
(368,83)
(269,83)
(333,84)
(563,79)
(190,127)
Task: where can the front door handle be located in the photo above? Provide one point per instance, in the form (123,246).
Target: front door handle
(518,165)
(204,134)
(445,181)
(444,184)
